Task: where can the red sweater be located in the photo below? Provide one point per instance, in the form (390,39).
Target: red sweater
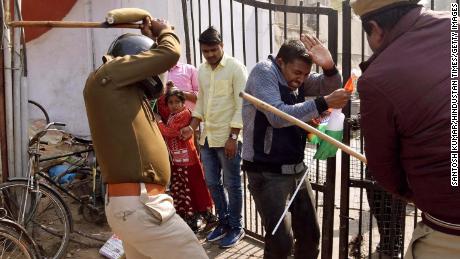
(182,152)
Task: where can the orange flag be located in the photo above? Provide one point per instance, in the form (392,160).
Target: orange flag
(349,85)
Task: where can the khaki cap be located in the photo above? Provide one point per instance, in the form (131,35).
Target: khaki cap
(366,7)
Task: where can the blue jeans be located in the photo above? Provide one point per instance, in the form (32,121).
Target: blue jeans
(224,182)
(271,194)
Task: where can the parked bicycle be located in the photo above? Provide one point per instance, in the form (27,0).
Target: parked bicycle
(14,240)
(35,204)
(36,106)
(78,178)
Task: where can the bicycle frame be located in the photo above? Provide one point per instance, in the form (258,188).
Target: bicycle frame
(33,167)
(93,168)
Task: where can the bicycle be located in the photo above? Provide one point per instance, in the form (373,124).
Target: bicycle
(36,206)
(14,240)
(87,190)
(41,108)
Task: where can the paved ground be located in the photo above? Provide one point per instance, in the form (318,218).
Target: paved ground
(247,248)
(82,247)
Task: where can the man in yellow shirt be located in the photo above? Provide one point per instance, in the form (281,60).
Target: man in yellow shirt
(221,78)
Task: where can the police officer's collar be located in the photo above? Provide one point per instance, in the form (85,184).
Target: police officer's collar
(402,26)
(106,58)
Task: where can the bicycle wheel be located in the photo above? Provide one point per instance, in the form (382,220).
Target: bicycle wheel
(13,244)
(45,113)
(90,190)
(42,212)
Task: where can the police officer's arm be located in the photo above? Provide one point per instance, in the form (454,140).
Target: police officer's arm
(378,116)
(127,70)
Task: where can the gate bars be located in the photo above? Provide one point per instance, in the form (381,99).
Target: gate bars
(251,30)
(378,218)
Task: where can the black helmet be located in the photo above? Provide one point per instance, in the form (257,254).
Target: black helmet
(132,44)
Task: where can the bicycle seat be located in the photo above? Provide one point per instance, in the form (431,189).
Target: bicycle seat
(83,140)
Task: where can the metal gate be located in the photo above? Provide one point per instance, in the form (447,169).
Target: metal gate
(372,222)
(254,29)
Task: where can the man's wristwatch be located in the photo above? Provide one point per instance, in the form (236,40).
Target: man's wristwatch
(233,136)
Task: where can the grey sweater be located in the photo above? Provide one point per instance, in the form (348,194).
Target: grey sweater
(263,83)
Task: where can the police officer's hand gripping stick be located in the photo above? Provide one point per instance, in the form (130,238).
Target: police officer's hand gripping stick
(261,105)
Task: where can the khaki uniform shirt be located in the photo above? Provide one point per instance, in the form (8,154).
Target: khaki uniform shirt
(128,144)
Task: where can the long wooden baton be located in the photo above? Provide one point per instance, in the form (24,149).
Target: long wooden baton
(267,107)
(75,24)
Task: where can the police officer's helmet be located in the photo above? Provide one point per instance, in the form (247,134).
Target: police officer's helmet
(132,44)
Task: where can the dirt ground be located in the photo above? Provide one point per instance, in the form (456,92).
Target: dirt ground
(89,237)
(247,248)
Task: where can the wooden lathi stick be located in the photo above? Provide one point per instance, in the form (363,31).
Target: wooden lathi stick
(73,24)
(267,107)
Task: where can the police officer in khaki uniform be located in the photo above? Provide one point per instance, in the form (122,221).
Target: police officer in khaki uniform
(130,149)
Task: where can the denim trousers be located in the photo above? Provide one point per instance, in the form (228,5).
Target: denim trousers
(223,179)
(271,192)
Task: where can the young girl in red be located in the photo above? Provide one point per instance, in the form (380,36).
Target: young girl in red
(190,200)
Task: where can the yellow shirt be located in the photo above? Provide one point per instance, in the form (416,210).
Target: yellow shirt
(219,105)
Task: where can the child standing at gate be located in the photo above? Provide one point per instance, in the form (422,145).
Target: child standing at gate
(190,200)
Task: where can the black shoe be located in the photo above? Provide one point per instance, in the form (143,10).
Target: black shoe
(195,223)
(210,219)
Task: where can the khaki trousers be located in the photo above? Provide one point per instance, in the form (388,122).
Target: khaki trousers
(428,243)
(150,228)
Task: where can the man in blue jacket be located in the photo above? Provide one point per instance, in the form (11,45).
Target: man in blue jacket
(273,149)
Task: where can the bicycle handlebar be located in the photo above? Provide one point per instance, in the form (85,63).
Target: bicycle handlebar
(59,124)
(36,138)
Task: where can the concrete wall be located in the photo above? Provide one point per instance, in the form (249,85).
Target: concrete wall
(60,60)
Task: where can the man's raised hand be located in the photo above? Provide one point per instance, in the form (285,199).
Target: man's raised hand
(318,53)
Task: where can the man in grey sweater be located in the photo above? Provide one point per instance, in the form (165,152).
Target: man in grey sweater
(273,149)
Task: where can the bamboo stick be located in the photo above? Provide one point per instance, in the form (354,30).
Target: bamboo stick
(73,24)
(267,107)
